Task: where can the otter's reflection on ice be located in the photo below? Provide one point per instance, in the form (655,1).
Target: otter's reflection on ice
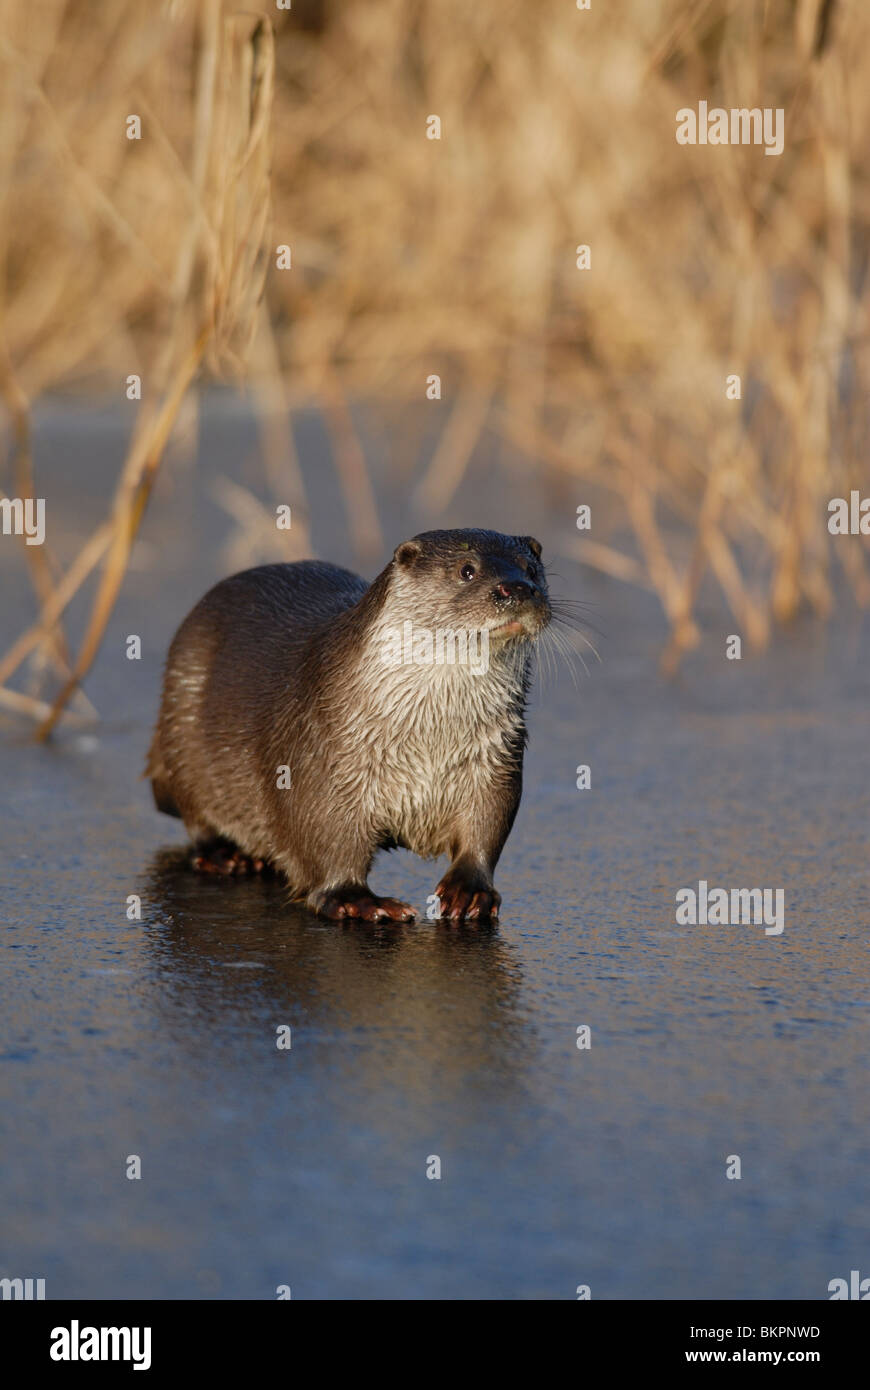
(425,1009)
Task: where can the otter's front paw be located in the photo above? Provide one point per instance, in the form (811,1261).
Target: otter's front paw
(463,902)
(362,905)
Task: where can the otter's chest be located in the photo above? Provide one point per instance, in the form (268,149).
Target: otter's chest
(437,769)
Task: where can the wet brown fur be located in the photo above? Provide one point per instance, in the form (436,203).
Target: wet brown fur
(280,667)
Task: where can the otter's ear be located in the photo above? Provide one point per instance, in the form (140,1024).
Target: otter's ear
(534,546)
(407,552)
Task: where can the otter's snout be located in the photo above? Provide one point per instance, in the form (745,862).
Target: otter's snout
(521,601)
(521,590)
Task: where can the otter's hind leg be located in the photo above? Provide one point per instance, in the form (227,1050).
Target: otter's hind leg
(218,855)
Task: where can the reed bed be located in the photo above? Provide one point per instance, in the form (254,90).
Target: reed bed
(457,257)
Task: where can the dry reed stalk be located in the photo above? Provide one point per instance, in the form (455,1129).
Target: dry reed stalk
(38,557)
(86,187)
(137,480)
(243,179)
(465,425)
(275,425)
(614,563)
(88,557)
(538,443)
(15,398)
(20,703)
(359,497)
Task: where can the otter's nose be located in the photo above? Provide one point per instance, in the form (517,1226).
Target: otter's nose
(519,589)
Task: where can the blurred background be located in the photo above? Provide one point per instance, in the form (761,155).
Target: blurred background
(409,257)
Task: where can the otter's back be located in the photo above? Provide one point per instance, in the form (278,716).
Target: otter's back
(230,660)
(303,594)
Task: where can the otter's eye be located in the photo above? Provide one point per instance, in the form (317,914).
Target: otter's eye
(467,572)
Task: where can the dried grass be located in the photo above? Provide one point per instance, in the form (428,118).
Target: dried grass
(456,257)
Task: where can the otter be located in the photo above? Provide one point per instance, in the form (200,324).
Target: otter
(309,719)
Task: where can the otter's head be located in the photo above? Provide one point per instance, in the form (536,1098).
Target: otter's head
(475,580)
